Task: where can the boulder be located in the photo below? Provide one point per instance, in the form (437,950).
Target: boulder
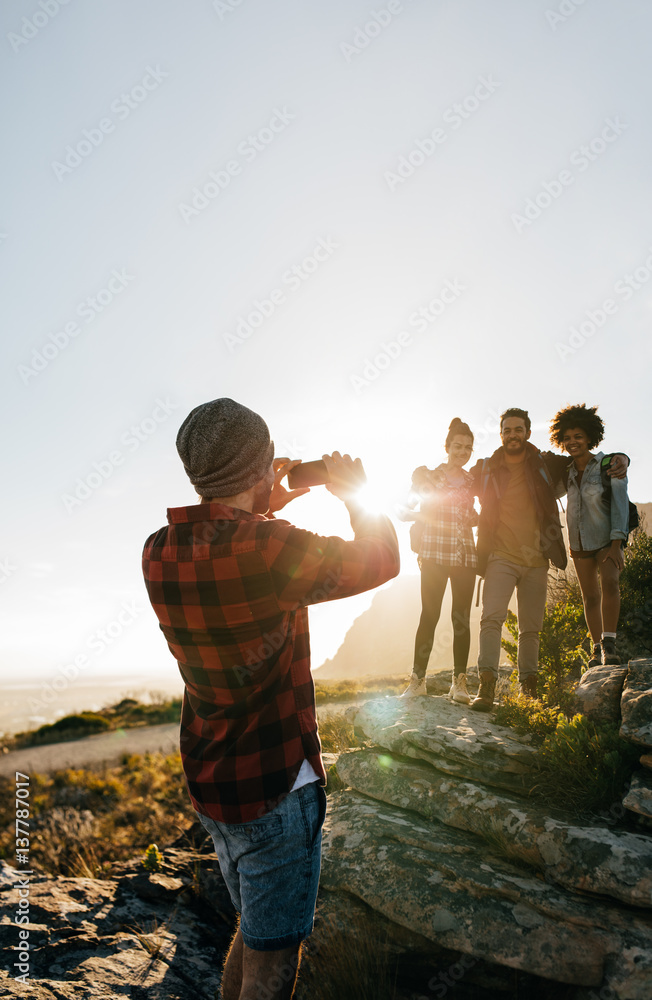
(448,886)
(636,703)
(599,691)
(589,858)
(639,796)
(452,739)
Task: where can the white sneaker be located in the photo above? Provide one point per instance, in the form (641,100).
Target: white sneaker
(458,691)
(416,688)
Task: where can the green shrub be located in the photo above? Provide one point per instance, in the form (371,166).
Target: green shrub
(560,651)
(525,715)
(69,727)
(584,765)
(635,624)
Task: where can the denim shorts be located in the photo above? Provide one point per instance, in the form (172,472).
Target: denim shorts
(271,868)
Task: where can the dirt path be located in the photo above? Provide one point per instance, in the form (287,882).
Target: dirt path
(106,747)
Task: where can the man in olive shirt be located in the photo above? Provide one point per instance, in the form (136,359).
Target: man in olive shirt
(519,532)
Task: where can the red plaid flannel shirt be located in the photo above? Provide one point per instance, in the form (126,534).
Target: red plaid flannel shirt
(230,590)
(447,536)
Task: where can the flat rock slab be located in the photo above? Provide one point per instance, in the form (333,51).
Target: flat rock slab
(636,703)
(639,796)
(594,859)
(451,738)
(446,885)
(110,938)
(599,691)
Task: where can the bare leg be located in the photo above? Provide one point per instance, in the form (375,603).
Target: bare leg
(587,574)
(232,971)
(269,975)
(609,579)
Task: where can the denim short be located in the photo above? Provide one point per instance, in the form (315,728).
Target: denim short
(271,868)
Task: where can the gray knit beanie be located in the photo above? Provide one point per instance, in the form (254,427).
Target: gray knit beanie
(225,448)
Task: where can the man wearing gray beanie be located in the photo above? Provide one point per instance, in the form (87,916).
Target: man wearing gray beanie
(230,585)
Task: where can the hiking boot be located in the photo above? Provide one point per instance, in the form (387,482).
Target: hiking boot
(596,656)
(529,685)
(416,688)
(484,701)
(458,691)
(609,655)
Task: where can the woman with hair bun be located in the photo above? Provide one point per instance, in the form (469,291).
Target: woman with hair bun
(597,528)
(442,536)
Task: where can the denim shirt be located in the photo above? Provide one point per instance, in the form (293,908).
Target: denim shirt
(591,524)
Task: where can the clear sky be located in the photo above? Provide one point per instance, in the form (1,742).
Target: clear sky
(359,219)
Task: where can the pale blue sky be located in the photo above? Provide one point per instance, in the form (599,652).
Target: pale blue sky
(343,120)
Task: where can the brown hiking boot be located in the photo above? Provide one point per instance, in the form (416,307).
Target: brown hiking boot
(596,656)
(609,655)
(529,685)
(484,701)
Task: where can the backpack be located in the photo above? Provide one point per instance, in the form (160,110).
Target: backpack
(416,534)
(606,494)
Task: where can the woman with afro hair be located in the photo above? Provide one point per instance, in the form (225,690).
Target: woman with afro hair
(597,528)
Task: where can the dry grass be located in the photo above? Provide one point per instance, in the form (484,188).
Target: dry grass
(348,964)
(83,820)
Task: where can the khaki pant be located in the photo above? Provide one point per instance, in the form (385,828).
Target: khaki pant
(531,585)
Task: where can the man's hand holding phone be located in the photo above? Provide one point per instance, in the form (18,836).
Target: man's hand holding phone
(346,475)
(279,496)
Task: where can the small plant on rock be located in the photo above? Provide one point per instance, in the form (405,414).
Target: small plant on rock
(153,860)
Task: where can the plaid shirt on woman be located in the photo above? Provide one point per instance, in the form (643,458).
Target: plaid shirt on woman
(447,536)
(230,590)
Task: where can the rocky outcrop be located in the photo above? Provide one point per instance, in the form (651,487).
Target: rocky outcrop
(450,887)
(599,692)
(150,937)
(463,745)
(639,796)
(441,807)
(636,703)
(596,859)
(624,695)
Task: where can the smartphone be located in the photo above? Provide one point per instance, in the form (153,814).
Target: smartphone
(308,474)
